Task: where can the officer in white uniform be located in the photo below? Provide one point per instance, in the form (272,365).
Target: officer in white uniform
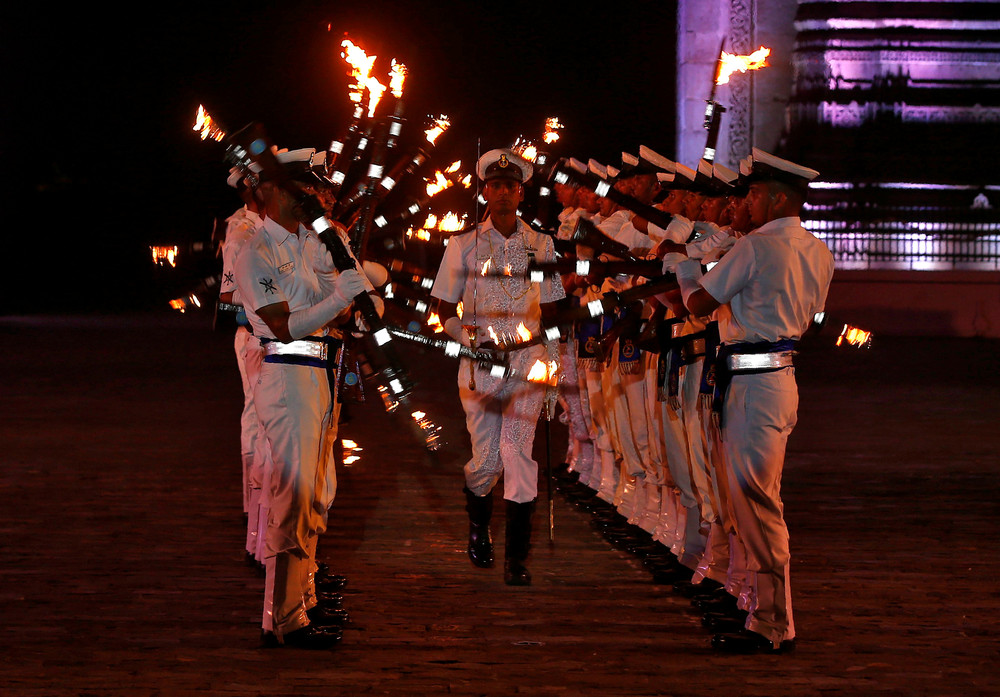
(774,280)
(501,413)
(240,227)
(291,293)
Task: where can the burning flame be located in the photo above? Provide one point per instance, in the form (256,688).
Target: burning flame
(855,337)
(453,167)
(431,222)
(165,255)
(493,335)
(438,126)
(467,181)
(434,322)
(361,68)
(487,265)
(206,124)
(522,332)
(525,148)
(460,309)
(397,76)
(439,184)
(544,373)
(451,222)
(552,127)
(424,235)
(729,64)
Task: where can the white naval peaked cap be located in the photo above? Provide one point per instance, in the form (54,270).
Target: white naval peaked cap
(597,168)
(577,165)
(684,171)
(288,157)
(724,174)
(705,168)
(613,172)
(771,167)
(629,160)
(665,177)
(503,163)
(656,159)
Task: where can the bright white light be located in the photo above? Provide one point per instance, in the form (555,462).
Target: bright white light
(382,336)
(561,178)
(583,267)
(552,333)
(596,308)
(396,128)
(452,349)
(414,208)
(320,224)
(427,283)
(497,371)
(421,306)
(544,191)
(338,177)
(396,386)
(336,147)
(381,221)
(388,183)
(374,171)
(602,189)
(536,276)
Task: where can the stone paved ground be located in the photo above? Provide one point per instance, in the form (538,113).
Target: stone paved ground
(122,569)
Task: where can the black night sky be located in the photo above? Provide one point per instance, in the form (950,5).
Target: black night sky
(99,105)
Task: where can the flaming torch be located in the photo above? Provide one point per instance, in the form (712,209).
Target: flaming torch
(728,64)
(208,127)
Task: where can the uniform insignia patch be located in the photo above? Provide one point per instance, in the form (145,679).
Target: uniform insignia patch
(286,267)
(503,161)
(268,285)
(229,277)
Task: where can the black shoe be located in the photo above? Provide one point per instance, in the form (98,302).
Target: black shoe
(331,600)
(480,510)
(327,616)
(310,637)
(749,642)
(704,588)
(723,623)
(330,583)
(725,604)
(515,573)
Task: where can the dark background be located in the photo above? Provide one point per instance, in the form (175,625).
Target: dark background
(99,104)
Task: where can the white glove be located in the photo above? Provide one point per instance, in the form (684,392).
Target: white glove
(453,328)
(688,275)
(671,260)
(349,284)
(304,322)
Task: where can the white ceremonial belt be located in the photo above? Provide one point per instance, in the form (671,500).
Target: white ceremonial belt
(307,349)
(739,362)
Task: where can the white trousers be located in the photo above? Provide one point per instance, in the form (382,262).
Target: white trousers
(501,415)
(760,413)
(295,409)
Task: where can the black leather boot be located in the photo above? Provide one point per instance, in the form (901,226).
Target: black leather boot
(518,543)
(480,509)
